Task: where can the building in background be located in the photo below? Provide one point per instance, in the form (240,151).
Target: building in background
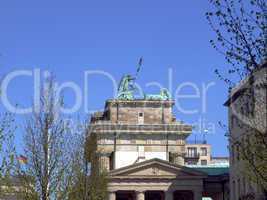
(220,161)
(247,112)
(199,154)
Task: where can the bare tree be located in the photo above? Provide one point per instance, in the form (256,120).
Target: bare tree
(241,38)
(89,181)
(98,179)
(241,34)
(46,145)
(78,187)
(7,153)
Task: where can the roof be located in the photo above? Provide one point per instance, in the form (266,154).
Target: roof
(234,96)
(213,171)
(241,87)
(220,157)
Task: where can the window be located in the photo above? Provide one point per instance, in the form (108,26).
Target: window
(204,151)
(242,111)
(140,118)
(247,108)
(232,121)
(237,153)
(238,188)
(233,154)
(234,191)
(204,162)
(149,141)
(250,188)
(190,162)
(192,152)
(244,192)
(251,101)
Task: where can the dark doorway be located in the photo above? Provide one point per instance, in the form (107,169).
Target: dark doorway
(125,195)
(154,195)
(183,195)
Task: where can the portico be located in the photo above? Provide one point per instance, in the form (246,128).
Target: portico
(155,180)
(155,195)
(152,195)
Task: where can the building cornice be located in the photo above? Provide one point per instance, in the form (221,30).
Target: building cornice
(138,103)
(136,129)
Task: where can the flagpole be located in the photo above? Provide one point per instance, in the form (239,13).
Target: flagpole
(204,136)
(139,67)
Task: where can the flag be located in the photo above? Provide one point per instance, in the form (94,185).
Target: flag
(140,64)
(22,159)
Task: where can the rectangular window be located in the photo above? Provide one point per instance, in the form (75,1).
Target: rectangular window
(237,153)
(244,192)
(250,185)
(234,190)
(140,118)
(232,121)
(190,162)
(204,151)
(233,154)
(192,152)
(238,188)
(149,141)
(247,108)
(204,162)
(242,111)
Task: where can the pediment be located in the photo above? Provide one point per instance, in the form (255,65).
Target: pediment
(156,168)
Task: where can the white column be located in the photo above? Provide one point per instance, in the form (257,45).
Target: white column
(104,162)
(197,194)
(111,196)
(140,195)
(168,195)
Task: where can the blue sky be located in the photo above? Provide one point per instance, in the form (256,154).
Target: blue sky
(70,37)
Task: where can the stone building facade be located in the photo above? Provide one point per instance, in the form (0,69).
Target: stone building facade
(142,147)
(247,112)
(134,131)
